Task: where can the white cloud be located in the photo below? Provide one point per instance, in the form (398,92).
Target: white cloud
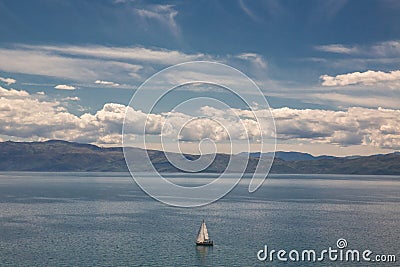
(128,65)
(107,83)
(354,126)
(122,1)
(337,48)
(386,49)
(248,11)
(368,78)
(64,87)
(363,100)
(72,98)
(270,9)
(361,56)
(49,63)
(26,116)
(378,50)
(12,93)
(8,81)
(326,10)
(157,56)
(256,59)
(163,14)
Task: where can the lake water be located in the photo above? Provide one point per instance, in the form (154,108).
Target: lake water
(104,219)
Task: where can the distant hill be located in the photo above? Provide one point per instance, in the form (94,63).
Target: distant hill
(289,156)
(58,156)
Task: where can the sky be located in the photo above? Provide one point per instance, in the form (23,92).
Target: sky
(330,70)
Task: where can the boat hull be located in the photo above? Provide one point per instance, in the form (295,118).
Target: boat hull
(206,243)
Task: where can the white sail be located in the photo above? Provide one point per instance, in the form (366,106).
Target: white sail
(200,236)
(203,233)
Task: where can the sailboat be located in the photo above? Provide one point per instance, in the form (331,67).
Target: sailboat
(202,236)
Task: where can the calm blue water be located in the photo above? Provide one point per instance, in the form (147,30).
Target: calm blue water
(104,219)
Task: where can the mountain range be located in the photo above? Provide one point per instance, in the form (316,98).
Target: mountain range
(60,156)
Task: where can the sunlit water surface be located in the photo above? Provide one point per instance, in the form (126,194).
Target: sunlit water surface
(105,219)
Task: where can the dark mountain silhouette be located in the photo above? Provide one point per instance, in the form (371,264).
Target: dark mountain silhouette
(55,155)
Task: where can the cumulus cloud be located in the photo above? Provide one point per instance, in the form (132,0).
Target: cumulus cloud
(367,78)
(30,117)
(8,81)
(24,116)
(354,126)
(106,83)
(12,93)
(64,87)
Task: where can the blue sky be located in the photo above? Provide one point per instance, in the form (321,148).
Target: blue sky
(329,69)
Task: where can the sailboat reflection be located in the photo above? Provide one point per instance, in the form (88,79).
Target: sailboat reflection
(202,252)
